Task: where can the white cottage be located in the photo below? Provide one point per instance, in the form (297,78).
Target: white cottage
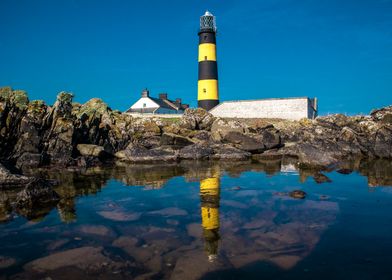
(162,105)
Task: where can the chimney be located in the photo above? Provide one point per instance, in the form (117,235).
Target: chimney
(185,106)
(145,93)
(163,96)
(178,101)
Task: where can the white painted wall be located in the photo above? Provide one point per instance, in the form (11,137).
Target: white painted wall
(144,100)
(282,108)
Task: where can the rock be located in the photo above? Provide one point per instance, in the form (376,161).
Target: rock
(198,119)
(315,157)
(36,199)
(196,151)
(81,258)
(320,178)
(244,142)
(221,127)
(383,115)
(7,179)
(136,154)
(383,143)
(227,152)
(170,211)
(120,216)
(298,194)
(90,150)
(6,262)
(98,230)
(177,141)
(344,171)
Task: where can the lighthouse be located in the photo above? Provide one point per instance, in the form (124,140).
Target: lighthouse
(208,91)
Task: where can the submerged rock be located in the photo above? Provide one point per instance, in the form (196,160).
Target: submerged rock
(298,194)
(80,257)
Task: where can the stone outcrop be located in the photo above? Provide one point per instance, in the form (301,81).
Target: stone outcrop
(69,134)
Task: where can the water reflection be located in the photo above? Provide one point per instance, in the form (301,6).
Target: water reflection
(145,223)
(209,196)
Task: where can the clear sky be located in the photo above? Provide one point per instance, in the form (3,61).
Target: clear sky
(337,50)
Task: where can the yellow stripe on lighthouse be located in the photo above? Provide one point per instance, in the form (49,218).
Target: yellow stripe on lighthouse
(207,51)
(207,90)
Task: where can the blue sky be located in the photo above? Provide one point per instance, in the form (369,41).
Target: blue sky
(337,50)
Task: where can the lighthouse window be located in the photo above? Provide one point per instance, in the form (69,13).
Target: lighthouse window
(144,105)
(204,90)
(205,58)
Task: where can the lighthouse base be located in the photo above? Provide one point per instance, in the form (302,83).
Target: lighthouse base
(207,104)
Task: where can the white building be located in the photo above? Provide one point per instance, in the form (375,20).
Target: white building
(294,108)
(162,105)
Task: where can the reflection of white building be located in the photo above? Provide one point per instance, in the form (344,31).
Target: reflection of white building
(162,105)
(289,168)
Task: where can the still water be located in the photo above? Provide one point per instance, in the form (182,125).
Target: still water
(205,221)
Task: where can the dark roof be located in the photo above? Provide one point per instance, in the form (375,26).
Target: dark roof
(164,103)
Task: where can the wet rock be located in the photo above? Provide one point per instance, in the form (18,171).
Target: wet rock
(196,151)
(297,194)
(177,141)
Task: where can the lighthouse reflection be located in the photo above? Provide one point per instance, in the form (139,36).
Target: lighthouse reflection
(209,196)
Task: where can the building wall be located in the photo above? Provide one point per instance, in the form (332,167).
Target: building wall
(144,100)
(282,108)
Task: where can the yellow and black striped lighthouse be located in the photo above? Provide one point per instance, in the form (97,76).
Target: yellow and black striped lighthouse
(208,91)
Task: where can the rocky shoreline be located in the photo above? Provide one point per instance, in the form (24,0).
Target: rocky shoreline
(71,135)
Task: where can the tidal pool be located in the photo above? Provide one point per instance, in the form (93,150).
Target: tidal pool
(205,221)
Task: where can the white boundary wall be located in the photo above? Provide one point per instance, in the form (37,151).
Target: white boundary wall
(294,108)
(145,115)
